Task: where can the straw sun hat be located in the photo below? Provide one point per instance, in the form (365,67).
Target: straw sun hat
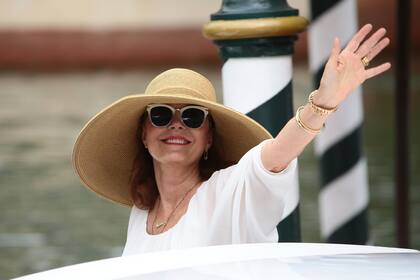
(106,147)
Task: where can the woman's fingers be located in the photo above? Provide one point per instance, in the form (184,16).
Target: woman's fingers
(372,72)
(377,48)
(370,43)
(335,52)
(354,43)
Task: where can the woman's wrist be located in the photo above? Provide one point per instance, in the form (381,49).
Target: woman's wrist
(310,119)
(321,99)
(321,110)
(312,116)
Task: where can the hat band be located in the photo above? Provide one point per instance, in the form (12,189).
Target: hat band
(183,92)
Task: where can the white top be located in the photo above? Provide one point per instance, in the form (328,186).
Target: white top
(239,204)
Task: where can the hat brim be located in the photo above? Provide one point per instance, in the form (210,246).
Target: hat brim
(106,147)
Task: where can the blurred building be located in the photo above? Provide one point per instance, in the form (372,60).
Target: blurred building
(77,34)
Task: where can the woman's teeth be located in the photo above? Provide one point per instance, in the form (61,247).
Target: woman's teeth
(176,141)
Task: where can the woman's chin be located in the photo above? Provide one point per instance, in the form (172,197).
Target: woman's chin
(178,158)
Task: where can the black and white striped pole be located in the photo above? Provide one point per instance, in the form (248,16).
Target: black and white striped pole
(256,41)
(344,191)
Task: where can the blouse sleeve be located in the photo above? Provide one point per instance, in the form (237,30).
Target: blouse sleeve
(258,198)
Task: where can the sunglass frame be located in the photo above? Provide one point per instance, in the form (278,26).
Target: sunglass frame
(174,110)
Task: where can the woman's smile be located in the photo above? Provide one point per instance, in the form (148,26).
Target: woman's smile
(175,140)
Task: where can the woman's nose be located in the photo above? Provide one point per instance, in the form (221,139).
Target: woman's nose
(176,122)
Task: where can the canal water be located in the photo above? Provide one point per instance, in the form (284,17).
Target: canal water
(48,219)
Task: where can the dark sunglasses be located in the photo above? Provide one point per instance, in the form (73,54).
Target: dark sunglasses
(161,115)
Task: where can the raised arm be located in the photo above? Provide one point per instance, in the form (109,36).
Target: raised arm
(345,70)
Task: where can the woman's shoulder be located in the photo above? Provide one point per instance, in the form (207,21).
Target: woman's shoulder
(137,213)
(222,175)
(216,181)
(137,218)
(226,178)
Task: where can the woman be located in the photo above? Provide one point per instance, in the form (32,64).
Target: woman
(169,152)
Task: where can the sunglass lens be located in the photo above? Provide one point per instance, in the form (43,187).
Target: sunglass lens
(160,116)
(193,117)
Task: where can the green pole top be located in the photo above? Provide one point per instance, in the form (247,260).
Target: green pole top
(247,9)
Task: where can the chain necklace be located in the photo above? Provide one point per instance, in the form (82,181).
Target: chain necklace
(163,224)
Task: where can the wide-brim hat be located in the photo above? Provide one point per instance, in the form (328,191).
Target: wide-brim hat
(105,149)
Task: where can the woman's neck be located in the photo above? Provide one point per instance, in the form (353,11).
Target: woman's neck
(174,181)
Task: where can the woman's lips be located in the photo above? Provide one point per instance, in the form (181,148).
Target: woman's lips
(176,140)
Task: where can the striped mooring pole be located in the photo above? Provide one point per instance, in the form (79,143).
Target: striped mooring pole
(255,40)
(402,124)
(344,194)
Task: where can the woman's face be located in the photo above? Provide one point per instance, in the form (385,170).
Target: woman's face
(177,143)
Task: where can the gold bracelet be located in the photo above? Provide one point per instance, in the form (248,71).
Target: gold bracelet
(318,109)
(304,126)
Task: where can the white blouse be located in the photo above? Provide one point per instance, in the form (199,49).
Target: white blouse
(240,204)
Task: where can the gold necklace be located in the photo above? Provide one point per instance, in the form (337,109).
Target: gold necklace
(158,225)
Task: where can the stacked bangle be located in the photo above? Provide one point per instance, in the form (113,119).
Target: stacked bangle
(322,111)
(303,125)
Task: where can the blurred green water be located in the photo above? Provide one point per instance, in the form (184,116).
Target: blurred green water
(48,219)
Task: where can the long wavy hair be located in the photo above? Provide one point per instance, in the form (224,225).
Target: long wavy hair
(143,186)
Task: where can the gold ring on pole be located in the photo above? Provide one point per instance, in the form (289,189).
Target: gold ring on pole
(254,28)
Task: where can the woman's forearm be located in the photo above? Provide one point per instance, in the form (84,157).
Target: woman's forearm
(291,140)
(344,71)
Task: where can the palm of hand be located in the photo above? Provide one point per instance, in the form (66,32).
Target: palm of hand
(344,71)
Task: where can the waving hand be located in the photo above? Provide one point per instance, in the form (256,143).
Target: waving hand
(348,68)
(345,70)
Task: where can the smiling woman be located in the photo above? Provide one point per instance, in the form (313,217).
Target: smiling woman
(156,165)
(144,189)
(171,167)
